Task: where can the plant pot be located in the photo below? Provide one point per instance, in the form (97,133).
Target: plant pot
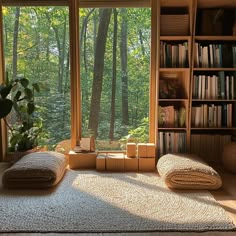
(13,157)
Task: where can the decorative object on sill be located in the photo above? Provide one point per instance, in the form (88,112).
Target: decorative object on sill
(86,145)
(229,157)
(28,128)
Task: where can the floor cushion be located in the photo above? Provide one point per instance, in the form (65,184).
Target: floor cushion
(187,171)
(36,170)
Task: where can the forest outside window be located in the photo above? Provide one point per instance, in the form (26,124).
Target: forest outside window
(115,75)
(114,49)
(36,46)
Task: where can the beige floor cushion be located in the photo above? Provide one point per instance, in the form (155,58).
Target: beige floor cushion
(36,170)
(187,171)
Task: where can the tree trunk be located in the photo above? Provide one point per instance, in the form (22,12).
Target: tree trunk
(141,42)
(98,69)
(61,51)
(113,92)
(84,27)
(85,79)
(15,42)
(124,72)
(95,23)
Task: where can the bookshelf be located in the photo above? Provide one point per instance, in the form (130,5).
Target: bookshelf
(213,77)
(197,57)
(174,70)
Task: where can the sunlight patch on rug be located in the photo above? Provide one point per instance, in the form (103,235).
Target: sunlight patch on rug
(89,201)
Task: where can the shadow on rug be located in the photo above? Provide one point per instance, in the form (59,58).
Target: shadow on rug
(89,201)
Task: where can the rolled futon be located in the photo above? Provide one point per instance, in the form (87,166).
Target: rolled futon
(187,171)
(36,170)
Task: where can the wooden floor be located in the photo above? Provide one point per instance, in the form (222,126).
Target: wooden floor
(226,196)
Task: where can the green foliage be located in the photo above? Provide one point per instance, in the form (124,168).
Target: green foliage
(137,135)
(27,128)
(43,56)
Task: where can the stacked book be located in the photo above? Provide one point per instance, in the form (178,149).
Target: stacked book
(219,86)
(212,116)
(174,54)
(171,142)
(169,116)
(214,55)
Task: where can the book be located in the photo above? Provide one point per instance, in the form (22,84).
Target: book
(166,116)
(222,84)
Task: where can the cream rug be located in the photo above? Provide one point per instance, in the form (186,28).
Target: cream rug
(89,201)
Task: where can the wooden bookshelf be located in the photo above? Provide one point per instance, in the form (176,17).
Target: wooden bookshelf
(174,137)
(218,111)
(186,74)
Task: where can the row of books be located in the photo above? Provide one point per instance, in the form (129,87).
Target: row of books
(212,116)
(214,55)
(174,55)
(169,116)
(209,146)
(171,142)
(214,87)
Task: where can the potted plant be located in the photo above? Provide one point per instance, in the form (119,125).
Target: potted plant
(17,96)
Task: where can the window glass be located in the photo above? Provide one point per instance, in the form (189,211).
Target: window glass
(115,73)
(36,46)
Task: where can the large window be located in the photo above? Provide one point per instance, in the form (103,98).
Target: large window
(36,46)
(93,62)
(115,74)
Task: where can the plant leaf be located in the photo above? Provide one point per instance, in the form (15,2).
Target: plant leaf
(28,94)
(6,106)
(30,107)
(24,82)
(5,90)
(17,96)
(36,87)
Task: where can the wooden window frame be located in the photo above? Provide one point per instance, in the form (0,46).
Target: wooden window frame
(74,6)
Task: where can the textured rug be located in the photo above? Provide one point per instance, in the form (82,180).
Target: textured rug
(89,201)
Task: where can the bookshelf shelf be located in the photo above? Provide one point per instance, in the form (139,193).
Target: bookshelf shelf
(214,69)
(207,129)
(175,38)
(162,69)
(213,100)
(173,100)
(171,129)
(215,38)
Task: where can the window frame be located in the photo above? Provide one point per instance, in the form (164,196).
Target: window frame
(74,6)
